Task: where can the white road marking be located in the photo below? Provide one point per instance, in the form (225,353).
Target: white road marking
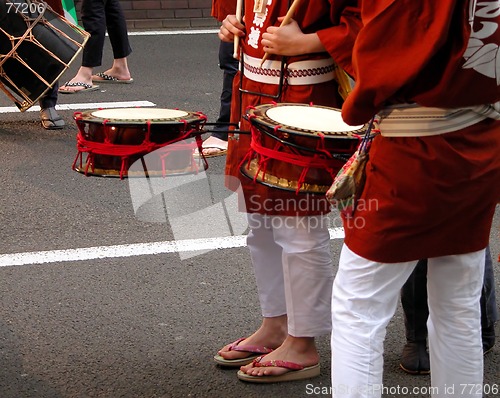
(91,105)
(173,32)
(130,250)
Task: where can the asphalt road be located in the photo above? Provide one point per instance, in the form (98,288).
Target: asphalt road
(134,324)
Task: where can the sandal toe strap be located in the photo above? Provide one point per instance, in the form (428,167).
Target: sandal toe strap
(249,348)
(106,76)
(77,84)
(258,363)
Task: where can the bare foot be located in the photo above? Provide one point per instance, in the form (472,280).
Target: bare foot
(271,334)
(298,350)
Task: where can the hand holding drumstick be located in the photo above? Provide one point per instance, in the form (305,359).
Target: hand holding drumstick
(285,21)
(239,7)
(231,30)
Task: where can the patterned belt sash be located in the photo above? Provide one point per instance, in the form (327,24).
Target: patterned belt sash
(417,121)
(297,73)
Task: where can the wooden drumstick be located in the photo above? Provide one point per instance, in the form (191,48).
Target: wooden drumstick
(239,7)
(285,21)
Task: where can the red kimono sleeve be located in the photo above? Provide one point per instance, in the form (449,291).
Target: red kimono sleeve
(397,39)
(339,39)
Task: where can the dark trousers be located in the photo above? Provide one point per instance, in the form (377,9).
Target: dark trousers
(97,17)
(229,66)
(414,300)
(49,100)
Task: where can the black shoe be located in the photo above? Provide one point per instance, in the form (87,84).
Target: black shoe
(488,337)
(415,358)
(51,119)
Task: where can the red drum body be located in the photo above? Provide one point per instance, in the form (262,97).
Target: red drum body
(37,46)
(298,147)
(113,139)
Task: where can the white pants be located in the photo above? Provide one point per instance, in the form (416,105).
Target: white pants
(365,296)
(293,270)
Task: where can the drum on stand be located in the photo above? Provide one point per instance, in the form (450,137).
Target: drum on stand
(298,147)
(37,46)
(113,139)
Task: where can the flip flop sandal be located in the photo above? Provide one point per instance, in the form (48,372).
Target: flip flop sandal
(105,78)
(51,120)
(296,372)
(86,87)
(233,363)
(221,152)
(212,143)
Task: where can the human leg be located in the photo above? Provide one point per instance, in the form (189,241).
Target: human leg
(308,273)
(49,100)
(48,115)
(94,22)
(308,276)
(415,358)
(117,29)
(454,288)
(489,311)
(364,298)
(266,258)
(229,66)
(216,144)
(118,36)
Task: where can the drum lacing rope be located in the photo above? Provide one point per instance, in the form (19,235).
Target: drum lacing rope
(13,54)
(177,147)
(124,151)
(322,160)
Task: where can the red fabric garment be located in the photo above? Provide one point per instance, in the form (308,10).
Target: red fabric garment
(222,8)
(311,16)
(56,5)
(339,40)
(424,52)
(429,196)
(426,196)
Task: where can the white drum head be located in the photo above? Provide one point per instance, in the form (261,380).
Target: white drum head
(139,114)
(310,118)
